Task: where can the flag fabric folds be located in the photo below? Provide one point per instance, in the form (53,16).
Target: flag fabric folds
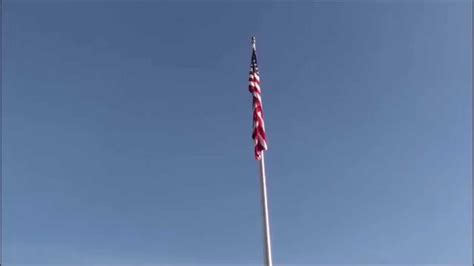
(258,134)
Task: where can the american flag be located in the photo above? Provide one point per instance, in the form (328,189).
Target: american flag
(258,133)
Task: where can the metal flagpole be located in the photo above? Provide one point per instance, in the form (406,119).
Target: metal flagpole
(266,219)
(260,146)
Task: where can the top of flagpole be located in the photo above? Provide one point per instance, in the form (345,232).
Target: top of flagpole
(254,46)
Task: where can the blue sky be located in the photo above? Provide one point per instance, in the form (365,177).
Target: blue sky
(126,132)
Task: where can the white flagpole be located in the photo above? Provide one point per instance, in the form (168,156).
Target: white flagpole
(266,219)
(263,185)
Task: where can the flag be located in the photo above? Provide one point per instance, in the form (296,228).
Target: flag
(258,133)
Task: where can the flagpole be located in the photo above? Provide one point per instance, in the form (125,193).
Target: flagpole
(266,219)
(260,146)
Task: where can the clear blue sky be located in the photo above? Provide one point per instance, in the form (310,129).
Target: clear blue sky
(126,132)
